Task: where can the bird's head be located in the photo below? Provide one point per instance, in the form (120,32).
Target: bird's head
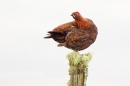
(76,15)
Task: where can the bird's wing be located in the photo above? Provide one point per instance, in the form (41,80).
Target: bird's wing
(63,28)
(77,36)
(59,33)
(79,39)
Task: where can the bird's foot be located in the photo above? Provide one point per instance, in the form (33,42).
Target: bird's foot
(61,44)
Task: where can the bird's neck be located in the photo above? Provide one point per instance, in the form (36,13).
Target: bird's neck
(80,18)
(80,23)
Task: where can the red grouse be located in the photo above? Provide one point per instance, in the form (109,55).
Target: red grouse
(76,35)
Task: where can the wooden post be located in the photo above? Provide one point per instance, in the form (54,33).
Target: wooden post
(78,68)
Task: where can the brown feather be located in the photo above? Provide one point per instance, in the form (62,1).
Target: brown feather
(81,39)
(76,35)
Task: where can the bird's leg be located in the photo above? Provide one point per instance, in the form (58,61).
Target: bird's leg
(76,51)
(61,44)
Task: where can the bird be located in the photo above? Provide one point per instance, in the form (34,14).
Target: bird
(77,35)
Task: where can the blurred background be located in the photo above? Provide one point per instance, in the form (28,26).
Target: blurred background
(27,59)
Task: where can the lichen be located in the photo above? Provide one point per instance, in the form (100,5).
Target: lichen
(78,60)
(78,70)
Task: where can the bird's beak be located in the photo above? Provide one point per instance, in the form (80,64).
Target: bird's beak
(73,15)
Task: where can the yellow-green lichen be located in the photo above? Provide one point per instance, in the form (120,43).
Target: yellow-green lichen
(77,60)
(78,70)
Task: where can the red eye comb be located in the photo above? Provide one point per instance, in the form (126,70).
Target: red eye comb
(76,12)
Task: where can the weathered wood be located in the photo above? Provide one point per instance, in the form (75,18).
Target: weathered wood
(78,68)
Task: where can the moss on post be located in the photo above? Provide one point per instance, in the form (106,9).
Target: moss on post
(78,68)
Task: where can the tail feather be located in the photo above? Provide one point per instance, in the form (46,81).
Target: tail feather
(55,33)
(57,36)
(48,37)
